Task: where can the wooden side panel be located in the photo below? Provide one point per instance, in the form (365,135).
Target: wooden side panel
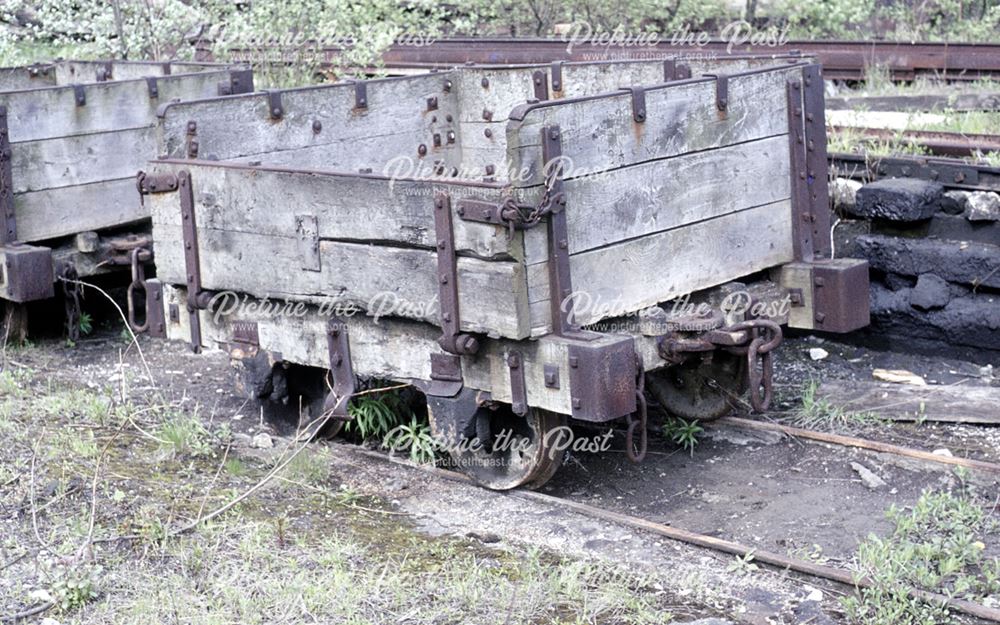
(16,78)
(53,112)
(347,208)
(80,159)
(397,115)
(601,134)
(386,281)
(63,211)
(634,274)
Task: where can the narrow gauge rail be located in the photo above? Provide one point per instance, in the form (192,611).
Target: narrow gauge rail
(841,60)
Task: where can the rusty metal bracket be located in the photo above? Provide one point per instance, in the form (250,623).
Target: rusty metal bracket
(165,182)
(672,70)
(557,76)
(25,272)
(721,91)
(80,95)
(551,373)
(191,139)
(560,283)
(446,375)
(152,87)
(481,211)
(802,217)
(518,388)
(105,72)
(241,81)
(8,228)
(602,381)
(638,102)
(192,263)
(816,160)
(541,84)
(341,371)
(157,326)
(275,109)
(452,339)
(360,94)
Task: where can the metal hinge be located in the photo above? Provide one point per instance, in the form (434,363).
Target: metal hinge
(541,85)
(638,103)
(672,70)
(721,92)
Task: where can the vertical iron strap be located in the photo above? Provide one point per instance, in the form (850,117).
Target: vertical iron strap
(8,229)
(816,159)
(560,283)
(192,263)
(802,232)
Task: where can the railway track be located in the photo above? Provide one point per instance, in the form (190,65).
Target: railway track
(778,560)
(842,60)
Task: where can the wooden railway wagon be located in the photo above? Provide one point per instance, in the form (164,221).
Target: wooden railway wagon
(508,239)
(69,151)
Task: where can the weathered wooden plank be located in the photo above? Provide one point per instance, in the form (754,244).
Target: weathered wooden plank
(59,212)
(80,159)
(386,281)
(16,78)
(238,126)
(659,195)
(69,72)
(354,208)
(903,402)
(634,274)
(600,134)
(117,105)
(507,87)
(394,349)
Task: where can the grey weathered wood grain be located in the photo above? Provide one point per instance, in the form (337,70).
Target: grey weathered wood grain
(80,159)
(644,199)
(63,211)
(600,134)
(17,78)
(117,105)
(634,274)
(904,402)
(354,208)
(69,72)
(380,279)
(239,126)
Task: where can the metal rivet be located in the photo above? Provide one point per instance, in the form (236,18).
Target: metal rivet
(422,149)
(317,126)
(485,82)
(488,133)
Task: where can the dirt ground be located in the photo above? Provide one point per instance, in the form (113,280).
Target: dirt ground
(760,489)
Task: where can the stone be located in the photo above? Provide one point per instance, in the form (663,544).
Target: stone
(983,206)
(844,192)
(896,282)
(954,202)
(930,292)
(867,476)
(818,353)
(963,262)
(899,199)
(262,441)
(942,452)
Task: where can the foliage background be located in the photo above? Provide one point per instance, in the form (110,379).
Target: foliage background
(32,30)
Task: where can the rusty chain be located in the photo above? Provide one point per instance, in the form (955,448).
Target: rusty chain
(757,338)
(524,216)
(637,454)
(138,283)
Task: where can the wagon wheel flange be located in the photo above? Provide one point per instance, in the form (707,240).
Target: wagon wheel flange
(699,390)
(504,451)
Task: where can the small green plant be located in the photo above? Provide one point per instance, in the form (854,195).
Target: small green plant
(374,416)
(414,437)
(683,433)
(743,564)
(817,411)
(308,467)
(86,323)
(73,586)
(936,545)
(235,467)
(184,434)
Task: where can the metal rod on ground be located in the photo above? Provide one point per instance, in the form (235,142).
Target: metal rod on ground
(861,443)
(700,540)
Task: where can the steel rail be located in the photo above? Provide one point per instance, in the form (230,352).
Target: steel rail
(777,560)
(841,60)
